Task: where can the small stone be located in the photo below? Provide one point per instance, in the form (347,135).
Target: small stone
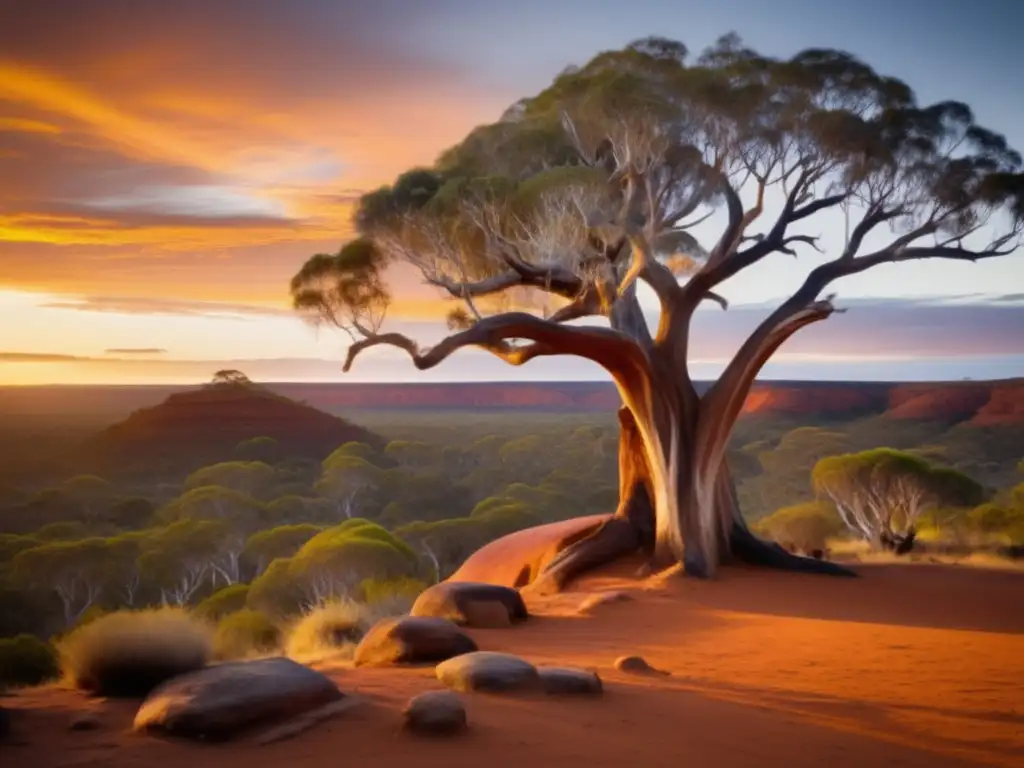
(435,713)
(604,598)
(84,721)
(568,681)
(636,665)
(488,672)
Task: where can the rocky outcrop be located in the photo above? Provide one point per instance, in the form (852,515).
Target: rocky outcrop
(1005,407)
(412,640)
(950,403)
(223,700)
(472,604)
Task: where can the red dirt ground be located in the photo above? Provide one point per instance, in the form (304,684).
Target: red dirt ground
(910,665)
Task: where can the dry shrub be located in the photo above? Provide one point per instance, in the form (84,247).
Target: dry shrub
(129,653)
(336,626)
(244,633)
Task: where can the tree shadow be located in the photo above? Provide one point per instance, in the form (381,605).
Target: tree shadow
(907,595)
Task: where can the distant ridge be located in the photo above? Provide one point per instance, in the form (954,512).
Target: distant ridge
(979,402)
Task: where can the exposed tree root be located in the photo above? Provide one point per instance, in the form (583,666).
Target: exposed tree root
(747,548)
(615,539)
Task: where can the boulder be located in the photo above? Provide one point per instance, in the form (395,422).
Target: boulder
(636,665)
(488,672)
(472,604)
(412,640)
(571,682)
(222,700)
(435,713)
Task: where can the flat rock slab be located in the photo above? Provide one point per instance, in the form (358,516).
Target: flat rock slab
(412,640)
(435,713)
(489,672)
(472,604)
(221,701)
(566,681)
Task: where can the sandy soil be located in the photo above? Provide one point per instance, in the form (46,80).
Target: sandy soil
(911,665)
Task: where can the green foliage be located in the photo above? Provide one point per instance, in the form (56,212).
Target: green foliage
(26,660)
(293,508)
(225,600)
(128,653)
(372,591)
(353,450)
(278,591)
(214,502)
(11,544)
(243,633)
(802,527)
(66,530)
(284,541)
(131,513)
(243,477)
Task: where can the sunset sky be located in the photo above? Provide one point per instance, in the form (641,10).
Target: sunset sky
(165,167)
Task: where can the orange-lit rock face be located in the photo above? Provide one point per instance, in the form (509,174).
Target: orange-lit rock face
(813,398)
(1005,406)
(516,559)
(930,402)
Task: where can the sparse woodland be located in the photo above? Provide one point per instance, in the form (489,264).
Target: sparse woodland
(260,538)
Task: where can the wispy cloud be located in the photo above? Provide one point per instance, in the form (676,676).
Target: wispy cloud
(131,305)
(135,351)
(41,357)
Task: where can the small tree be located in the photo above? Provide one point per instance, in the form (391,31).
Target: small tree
(230,376)
(880,494)
(284,541)
(77,571)
(804,527)
(345,480)
(247,477)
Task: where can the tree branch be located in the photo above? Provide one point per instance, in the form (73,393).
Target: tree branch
(614,351)
(722,403)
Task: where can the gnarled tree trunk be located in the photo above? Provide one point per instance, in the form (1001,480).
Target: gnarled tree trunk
(677,497)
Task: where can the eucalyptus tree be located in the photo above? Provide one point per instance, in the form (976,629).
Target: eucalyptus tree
(555,213)
(880,494)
